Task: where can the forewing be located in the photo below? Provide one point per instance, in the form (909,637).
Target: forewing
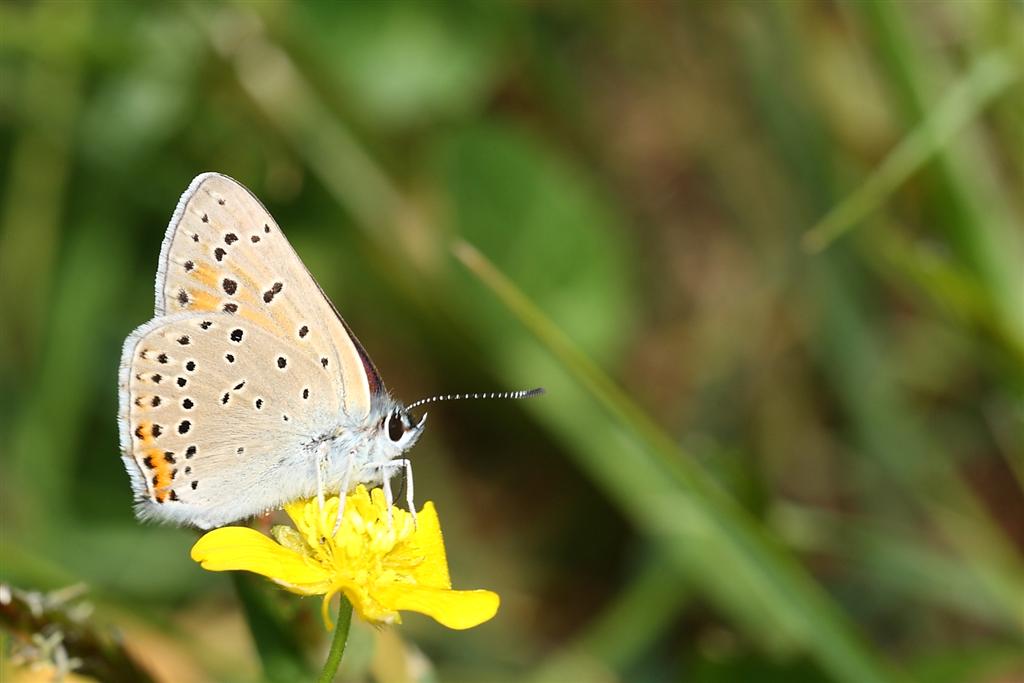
(224,252)
(219,417)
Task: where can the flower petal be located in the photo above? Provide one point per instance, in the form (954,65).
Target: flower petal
(454,609)
(368,607)
(433,571)
(240,548)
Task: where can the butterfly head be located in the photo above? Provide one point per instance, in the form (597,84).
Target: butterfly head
(399,430)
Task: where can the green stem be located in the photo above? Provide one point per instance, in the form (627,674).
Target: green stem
(338,643)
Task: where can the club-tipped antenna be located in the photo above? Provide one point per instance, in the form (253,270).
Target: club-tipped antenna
(522,393)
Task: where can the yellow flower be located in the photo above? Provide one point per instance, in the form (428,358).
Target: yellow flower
(381,567)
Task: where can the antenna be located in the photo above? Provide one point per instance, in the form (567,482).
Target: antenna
(522,393)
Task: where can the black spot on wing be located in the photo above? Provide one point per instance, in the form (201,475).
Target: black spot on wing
(274,290)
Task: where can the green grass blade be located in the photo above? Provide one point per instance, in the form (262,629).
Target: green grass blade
(966,203)
(988,78)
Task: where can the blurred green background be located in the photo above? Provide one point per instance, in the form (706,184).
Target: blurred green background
(766,257)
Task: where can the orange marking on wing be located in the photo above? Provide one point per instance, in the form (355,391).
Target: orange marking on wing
(201,301)
(161,474)
(249,313)
(205,275)
(144,433)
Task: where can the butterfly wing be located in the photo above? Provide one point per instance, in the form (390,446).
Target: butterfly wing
(224,252)
(221,418)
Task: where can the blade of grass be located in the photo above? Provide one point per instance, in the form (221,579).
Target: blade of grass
(965,203)
(986,80)
(689,507)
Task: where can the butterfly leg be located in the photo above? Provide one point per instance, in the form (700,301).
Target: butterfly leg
(346,481)
(321,473)
(409,500)
(386,485)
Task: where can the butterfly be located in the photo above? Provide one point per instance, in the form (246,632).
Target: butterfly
(247,390)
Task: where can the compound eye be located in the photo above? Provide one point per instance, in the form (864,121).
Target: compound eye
(395,427)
